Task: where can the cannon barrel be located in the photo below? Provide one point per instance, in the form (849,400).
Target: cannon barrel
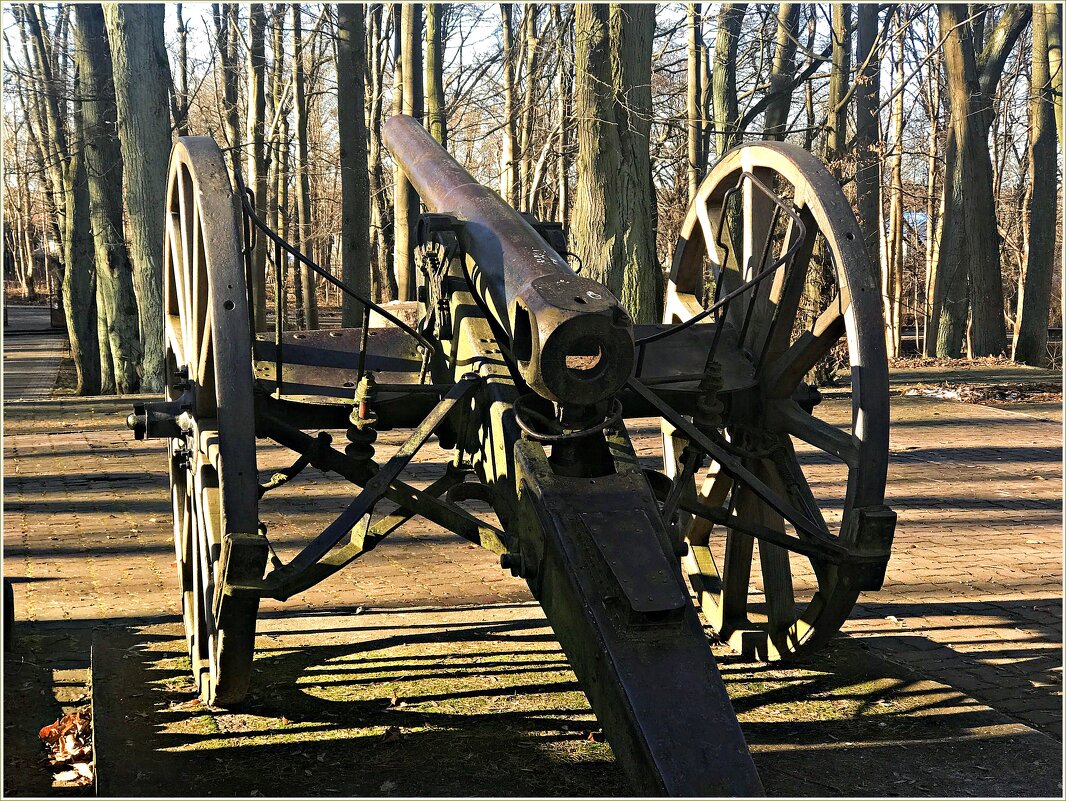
(570,337)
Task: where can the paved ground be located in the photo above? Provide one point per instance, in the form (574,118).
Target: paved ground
(32,353)
(973,598)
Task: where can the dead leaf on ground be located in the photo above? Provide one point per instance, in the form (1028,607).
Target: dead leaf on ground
(595,736)
(391,735)
(69,739)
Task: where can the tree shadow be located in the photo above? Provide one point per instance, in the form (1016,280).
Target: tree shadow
(480,701)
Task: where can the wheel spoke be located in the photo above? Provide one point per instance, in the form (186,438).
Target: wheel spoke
(188,215)
(736,569)
(759,217)
(784,373)
(787,416)
(173,337)
(176,268)
(787,289)
(774,561)
(204,367)
(207,550)
(713,494)
(789,476)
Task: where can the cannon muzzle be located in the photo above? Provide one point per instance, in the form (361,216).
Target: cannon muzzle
(570,337)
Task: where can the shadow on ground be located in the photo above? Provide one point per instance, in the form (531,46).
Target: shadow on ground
(480,701)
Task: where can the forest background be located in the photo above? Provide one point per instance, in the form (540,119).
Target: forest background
(943,123)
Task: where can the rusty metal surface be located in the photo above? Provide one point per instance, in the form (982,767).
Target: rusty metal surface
(547,311)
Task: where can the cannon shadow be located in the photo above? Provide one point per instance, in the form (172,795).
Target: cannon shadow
(480,701)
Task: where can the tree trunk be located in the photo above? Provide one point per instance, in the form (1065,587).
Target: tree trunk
(1053,13)
(971,236)
(225,16)
(66,174)
(257,169)
(839,79)
(867,142)
(783,71)
(693,100)
(892,274)
(508,168)
(405,198)
(563,68)
(1034,292)
(932,203)
(303,185)
(79,275)
(381,222)
(116,303)
(436,115)
(724,77)
(614,215)
(633,32)
(181,89)
(355,189)
(530,42)
(141,86)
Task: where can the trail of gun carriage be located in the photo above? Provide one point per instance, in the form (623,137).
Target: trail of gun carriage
(524,400)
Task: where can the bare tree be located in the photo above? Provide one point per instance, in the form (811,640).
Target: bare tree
(783,73)
(142,80)
(181,89)
(892,272)
(120,349)
(436,114)
(303,186)
(64,158)
(1053,11)
(968,273)
(226,40)
(867,141)
(1034,296)
(613,221)
(694,106)
(405,198)
(724,77)
(530,65)
(257,169)
(355,187)
(564,65)
(509,186)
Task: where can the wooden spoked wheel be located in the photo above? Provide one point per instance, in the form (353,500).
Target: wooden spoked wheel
(784,604)
(213,479)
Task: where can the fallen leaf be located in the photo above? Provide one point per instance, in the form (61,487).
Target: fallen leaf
(394,699)
(84,769)
(387,786)
(595,737)
(391,735)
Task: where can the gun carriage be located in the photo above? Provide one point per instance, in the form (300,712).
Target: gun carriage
(528,371)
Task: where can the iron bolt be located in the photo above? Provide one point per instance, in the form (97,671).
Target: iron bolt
(181,380)
(183,459)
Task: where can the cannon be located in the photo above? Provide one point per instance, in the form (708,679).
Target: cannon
(528,371)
